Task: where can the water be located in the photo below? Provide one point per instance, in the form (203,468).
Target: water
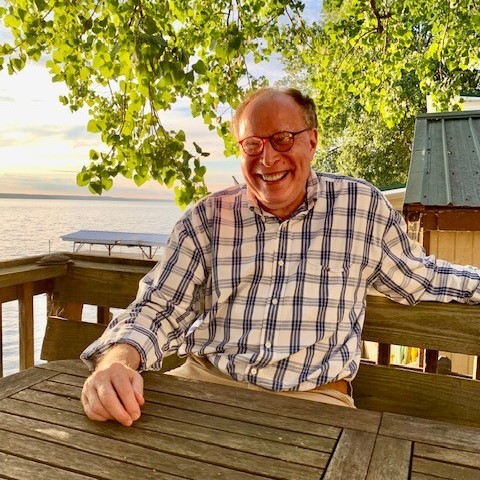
(34,227)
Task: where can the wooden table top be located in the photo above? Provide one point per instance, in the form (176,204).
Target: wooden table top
(203,431)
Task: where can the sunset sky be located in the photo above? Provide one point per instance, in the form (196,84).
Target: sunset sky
(43,145)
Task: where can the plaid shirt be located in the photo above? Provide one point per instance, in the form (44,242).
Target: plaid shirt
(281,304)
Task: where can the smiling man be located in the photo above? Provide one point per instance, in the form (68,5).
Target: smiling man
(278,137)
(263,285)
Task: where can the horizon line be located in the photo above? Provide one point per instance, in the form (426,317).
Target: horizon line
(52,196)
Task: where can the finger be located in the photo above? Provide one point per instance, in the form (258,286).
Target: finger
(137,384)
(108,397)
(126,394)
(92,405)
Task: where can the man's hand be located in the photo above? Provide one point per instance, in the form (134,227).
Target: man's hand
(114,391)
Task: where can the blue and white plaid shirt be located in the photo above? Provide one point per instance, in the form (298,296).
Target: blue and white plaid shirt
(281,304)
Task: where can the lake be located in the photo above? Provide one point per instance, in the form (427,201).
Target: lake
(33,226)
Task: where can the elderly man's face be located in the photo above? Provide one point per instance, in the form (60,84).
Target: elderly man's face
(277,179)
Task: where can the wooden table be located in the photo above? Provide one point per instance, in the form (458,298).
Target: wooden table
(203,431)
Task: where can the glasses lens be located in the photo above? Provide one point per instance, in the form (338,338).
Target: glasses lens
(282,141)
(252,145)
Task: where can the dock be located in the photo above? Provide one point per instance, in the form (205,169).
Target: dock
(148,243)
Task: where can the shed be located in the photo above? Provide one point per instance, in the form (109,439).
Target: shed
(442,197)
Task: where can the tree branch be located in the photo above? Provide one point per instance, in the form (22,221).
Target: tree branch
(379,16)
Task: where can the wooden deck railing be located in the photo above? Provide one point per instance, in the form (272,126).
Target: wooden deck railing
(89,279)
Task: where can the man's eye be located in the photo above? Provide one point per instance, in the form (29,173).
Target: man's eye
(282,138)
(252,142)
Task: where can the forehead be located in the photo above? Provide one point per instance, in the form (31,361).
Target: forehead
(269,114)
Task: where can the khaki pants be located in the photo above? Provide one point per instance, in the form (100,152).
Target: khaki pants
(199,368)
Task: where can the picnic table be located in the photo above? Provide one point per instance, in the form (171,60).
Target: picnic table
(196,430)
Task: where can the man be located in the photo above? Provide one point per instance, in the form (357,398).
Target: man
(264,284)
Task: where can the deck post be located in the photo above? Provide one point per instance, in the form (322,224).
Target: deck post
(25,326)
(1,341)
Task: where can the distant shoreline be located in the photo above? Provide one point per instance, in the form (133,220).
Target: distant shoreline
(80,197)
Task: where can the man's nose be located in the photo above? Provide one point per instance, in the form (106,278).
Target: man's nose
(269,155)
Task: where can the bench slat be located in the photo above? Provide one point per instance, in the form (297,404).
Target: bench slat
(426,395)
(451,327)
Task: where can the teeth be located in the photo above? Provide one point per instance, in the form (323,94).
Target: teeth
(273,177)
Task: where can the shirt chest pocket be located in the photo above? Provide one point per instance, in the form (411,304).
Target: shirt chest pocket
(336,273)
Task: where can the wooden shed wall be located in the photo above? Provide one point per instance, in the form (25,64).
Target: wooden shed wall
(462,248)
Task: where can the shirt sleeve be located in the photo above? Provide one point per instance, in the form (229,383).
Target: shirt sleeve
(165,306)
(408,275)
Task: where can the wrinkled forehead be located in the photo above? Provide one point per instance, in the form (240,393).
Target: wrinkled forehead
(270,113)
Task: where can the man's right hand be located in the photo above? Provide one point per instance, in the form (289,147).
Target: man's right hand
(114,391)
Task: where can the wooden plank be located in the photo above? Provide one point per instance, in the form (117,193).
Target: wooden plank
(268,403)
(163,430)
(70,310)
(357,447)
(205,407)
(422,476)
(426,395)
(10,293)
(1,340)
(72,367)
(66,339)
(17,468)
(429,431)
(19,274)
(172,454)
(431,361)
(450,327)
(51,451)
(390,459)
(99,284)
(444,470)
(25,330)
(383,357)
(323,442)
(450,455)
(14,383)
(103,315)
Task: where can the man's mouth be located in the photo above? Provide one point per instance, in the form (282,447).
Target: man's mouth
(274,177)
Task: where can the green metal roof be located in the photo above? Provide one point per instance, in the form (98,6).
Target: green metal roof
(445,166)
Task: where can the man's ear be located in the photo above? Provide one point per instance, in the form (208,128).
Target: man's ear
(313,139)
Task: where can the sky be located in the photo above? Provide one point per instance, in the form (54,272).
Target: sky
(43,145)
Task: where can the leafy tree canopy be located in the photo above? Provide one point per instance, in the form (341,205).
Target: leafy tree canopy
(368,63)
(129,61)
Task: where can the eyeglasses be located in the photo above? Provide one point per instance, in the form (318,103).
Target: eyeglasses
(280,141)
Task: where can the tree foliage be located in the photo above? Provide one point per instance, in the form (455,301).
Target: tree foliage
(370,64)
(130,61)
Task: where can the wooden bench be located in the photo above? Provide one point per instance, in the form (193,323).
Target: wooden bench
(449,327)
(435,326)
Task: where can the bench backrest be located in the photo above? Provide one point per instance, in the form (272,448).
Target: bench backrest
(449,327)
(66,339)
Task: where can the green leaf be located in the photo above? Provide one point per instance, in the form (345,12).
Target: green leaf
(83,179)
(200,67)
(139,180)
(92,126)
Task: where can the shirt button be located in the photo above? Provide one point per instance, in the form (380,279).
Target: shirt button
(268,344)
(253,371)
(275,301)
(280,263)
